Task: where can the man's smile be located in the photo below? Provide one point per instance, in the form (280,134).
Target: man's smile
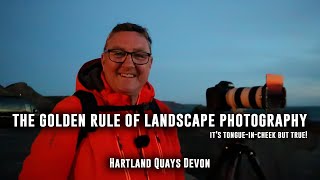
(127,75)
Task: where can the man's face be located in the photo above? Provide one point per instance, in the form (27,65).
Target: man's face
(127,77)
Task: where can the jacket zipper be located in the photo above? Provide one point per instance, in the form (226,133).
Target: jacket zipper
(159,148)
(126,171)
(142,155)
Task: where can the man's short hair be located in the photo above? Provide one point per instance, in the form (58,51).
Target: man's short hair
(130,27)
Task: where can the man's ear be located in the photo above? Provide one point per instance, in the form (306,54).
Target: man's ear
(151,60)
(103,60)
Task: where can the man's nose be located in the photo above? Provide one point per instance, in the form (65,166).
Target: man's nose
(128,61)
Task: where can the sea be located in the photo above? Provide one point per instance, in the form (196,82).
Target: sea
(313,112)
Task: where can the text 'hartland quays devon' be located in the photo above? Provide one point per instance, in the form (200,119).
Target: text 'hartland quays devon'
(159,163)
(162,120)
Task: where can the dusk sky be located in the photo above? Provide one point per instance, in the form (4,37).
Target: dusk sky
(196,44)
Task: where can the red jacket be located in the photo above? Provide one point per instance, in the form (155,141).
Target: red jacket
(53,154)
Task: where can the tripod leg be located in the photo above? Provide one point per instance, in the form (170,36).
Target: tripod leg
(237,170)
(227,166)
(255,164)
(220,164)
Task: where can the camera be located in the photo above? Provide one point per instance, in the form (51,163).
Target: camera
(224,96)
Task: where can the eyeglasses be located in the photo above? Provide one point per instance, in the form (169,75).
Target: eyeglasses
(119,56)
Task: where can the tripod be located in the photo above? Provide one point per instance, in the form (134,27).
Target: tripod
(227,166)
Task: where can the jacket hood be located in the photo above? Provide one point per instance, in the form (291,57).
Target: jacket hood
(91,78)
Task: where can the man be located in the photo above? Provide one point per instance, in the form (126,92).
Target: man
(118,78)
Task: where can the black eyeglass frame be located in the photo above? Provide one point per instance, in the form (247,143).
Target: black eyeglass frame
(128,53)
